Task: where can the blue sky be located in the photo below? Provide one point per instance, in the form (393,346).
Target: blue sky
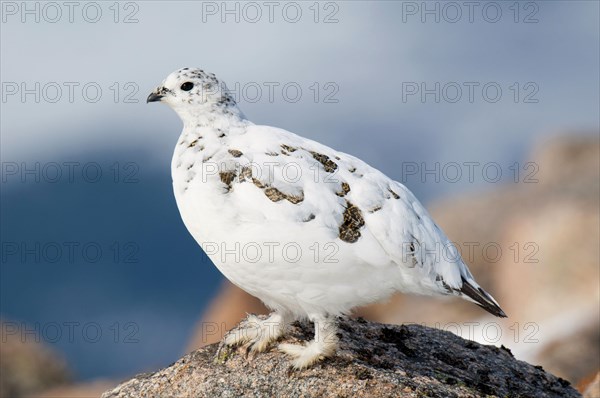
(371,54)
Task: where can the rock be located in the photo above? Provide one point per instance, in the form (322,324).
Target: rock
(374,360)
(27,366)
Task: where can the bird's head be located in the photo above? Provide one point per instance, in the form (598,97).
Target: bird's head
(193,92)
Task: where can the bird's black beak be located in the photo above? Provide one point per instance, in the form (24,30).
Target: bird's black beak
(154,97)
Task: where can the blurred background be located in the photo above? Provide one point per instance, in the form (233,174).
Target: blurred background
(488,112)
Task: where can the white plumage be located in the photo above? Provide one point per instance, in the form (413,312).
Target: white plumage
(310,231)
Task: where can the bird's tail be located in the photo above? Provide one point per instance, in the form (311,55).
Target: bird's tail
(475,293)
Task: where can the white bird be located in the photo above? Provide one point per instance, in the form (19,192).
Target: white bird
(310,231)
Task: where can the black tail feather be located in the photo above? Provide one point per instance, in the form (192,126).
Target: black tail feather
(482,299)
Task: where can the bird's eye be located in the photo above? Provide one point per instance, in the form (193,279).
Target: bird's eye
(187,86)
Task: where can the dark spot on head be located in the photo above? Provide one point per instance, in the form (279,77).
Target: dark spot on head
(352,169)
(394,194)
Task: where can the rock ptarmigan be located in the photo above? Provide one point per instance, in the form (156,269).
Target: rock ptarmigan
(310,231)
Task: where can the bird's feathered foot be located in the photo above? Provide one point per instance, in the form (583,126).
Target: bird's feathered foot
(256,333)
(324,344)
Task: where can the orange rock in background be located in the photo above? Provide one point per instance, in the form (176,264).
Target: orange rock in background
(27,366)
(591,388)
(91,389)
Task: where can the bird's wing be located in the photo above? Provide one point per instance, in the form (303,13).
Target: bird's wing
(356,202)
